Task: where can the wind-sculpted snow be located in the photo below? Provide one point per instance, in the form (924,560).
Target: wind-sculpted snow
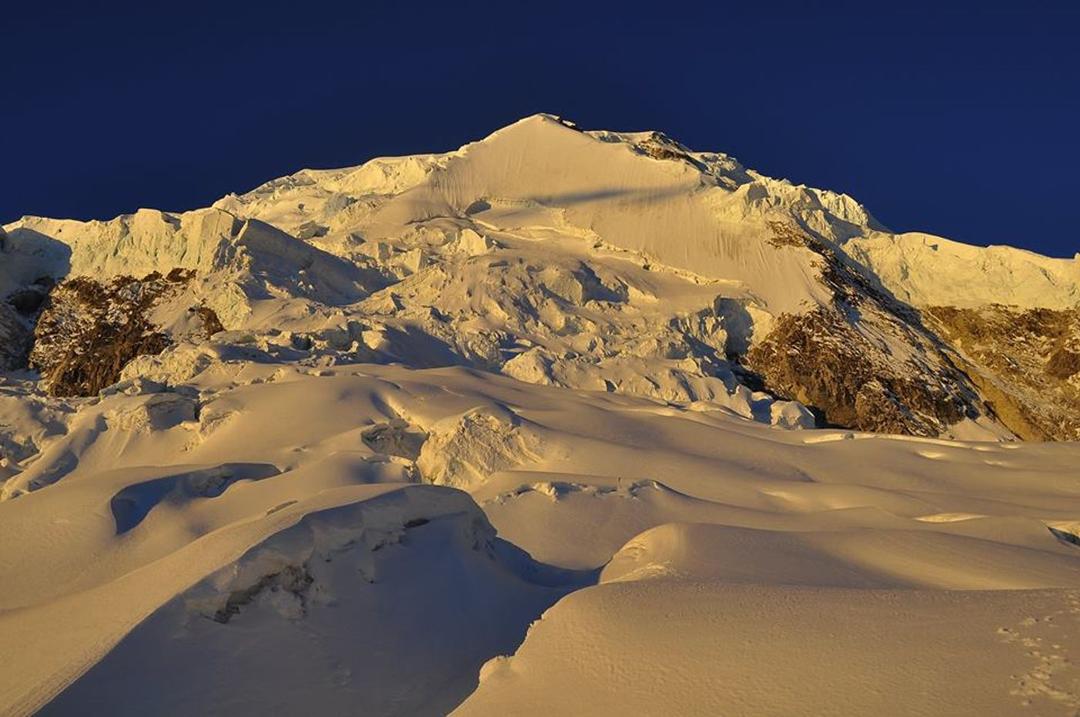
(340,602)
(558,422)
(111,541)
(97,503)
(790,650)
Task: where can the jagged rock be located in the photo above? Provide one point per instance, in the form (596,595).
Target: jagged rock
(822,360)
(211,322)
(841,358)
(1063,364)
(659,146)
(89,331)
(1024,361)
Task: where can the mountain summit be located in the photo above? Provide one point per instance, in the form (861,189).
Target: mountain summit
(599,260)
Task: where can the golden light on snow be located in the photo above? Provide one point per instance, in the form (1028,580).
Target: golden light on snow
(534,427)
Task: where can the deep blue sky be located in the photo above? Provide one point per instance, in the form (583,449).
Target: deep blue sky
(961,121)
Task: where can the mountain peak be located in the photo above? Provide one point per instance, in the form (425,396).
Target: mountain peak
(439,394)
(621,233)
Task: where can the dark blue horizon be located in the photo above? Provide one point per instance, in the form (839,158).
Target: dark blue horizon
(959,120)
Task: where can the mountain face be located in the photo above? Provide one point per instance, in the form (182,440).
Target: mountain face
(594,260)
(387,439)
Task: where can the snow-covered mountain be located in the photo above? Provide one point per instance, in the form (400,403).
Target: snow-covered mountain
(249,430)
(597,260)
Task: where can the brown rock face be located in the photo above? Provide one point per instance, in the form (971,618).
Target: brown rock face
(659,146)
(865,361)
(88,331)
(1063,364)
(824,361)
(1026,362)
(211,322)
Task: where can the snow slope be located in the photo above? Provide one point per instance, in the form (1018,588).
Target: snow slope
(534,426)
(269,537)
(925,270)
(792,651)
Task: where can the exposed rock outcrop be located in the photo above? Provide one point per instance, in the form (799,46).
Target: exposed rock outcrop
(866,361)
(89,330)
(825,361)
(1027,362)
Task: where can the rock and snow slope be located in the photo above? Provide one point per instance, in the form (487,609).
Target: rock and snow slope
(380,420)
(592,260)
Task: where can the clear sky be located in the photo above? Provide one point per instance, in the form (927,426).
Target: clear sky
(954,118)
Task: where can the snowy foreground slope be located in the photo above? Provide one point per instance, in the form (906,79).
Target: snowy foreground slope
(558,423)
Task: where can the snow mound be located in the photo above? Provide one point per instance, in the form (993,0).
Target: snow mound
(800,651)
(883,559)
(463,451)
